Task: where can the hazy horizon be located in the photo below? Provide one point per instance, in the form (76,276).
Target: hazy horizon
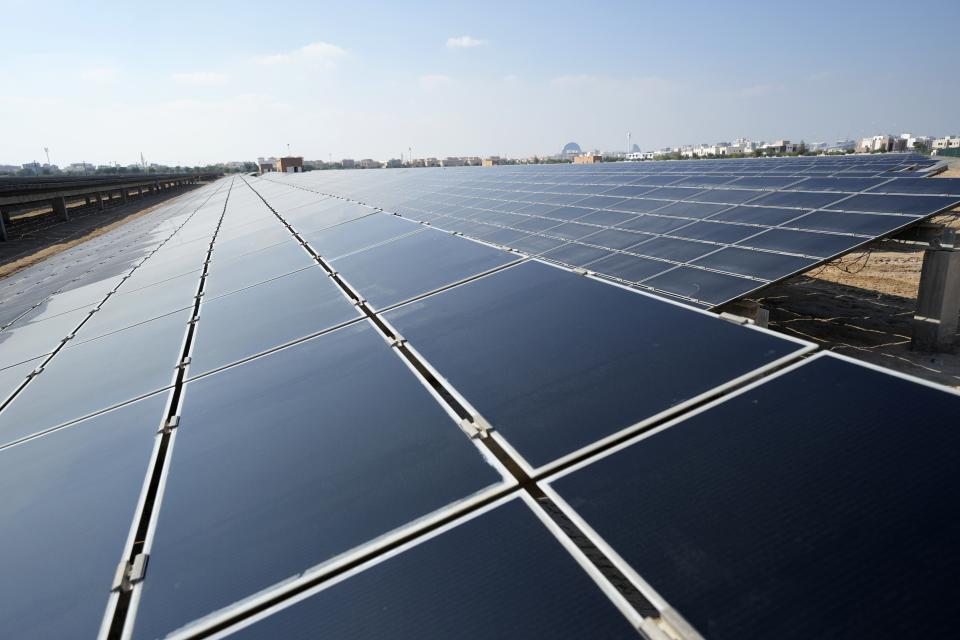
(211,82)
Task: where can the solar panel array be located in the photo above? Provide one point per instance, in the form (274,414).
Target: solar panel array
(289,415)
(707,232)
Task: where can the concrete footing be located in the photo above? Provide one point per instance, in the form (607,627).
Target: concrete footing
(60,208)
(938,302)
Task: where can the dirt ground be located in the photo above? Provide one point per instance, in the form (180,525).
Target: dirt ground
(862,306)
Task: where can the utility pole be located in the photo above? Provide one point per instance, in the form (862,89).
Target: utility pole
(47,151)
(629,148)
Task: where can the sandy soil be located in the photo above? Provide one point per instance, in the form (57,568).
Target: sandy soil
(862,306)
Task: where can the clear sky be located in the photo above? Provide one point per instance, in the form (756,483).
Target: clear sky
(203,81)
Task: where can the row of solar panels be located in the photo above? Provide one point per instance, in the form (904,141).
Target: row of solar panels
(300,462)
(708,242)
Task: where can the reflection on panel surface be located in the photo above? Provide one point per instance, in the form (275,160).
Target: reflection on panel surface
(67,500)
(794,510)
(531,589)
(291,459)
(546,373)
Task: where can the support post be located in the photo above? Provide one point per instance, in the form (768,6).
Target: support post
(3,225)
(60,208)
(123,194)
(100,201)
(938,301)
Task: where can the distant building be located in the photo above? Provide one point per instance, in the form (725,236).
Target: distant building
(917,142)
(73,167)
(588,158)
(492,161)
(393,163)
(781,146)
(290,164)
(570,150)
(368,163)
(876,143)
(266,165)
(453,162)
(947,142)
(348,163)
(431,162)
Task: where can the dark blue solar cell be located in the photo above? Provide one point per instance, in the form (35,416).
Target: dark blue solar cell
(728,196)
(505,237)
(769,216)
(909,205)
(794,510)
(629,267)
(759,264)
(800,199)
(763,182)
(606,218)
(272,313)
(673,193)
(529,347)
(705,286)
(850,185)
(537,209)
(691,209)
(68,501)
(639,205)
(532,589)
(534,224)
(535,245)
(286,462)
(629,191)
(704,181)
(673,249)
(715,232)
(653,224)
(862,223)
(939,186)
(823,245)
(413,265)
(567,213)
(358,234)
(614,238)
(576,255)
(657,180)
(571,231)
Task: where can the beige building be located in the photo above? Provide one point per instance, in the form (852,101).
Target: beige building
(587,158)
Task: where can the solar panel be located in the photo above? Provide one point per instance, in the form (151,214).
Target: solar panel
(96,375)
(497,340)
(661,199)
(531,588)
(795,509)
(417,264)
(67,503)
(273,313)
(292,459)
(359,426)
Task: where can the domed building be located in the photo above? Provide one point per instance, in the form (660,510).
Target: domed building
(570,150)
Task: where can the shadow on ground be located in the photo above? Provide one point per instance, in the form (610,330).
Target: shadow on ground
(858,322)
